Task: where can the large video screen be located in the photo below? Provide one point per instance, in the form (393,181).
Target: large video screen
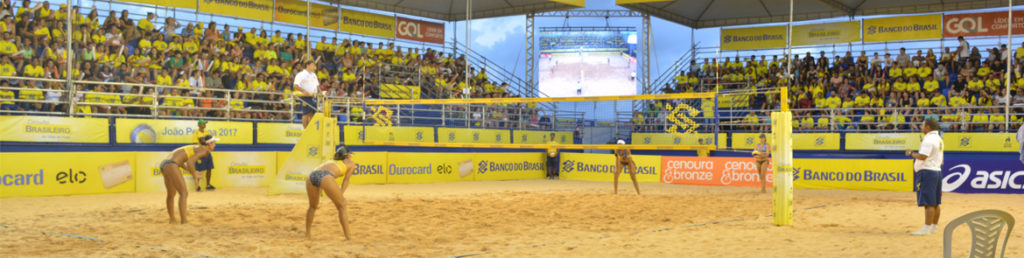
(587,63)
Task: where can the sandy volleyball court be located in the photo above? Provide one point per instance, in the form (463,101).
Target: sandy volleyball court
(526,218)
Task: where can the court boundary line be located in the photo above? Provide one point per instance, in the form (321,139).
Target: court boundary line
(104,241)
(643,231)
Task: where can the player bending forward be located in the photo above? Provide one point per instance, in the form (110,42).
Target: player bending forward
(322,178)
(183,157)
(623,159)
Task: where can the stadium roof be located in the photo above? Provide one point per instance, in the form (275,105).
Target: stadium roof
(455,10)
(718,13)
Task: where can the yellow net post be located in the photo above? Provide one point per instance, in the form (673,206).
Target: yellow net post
(782,160)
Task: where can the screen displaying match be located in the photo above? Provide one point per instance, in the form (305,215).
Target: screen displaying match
(587,63)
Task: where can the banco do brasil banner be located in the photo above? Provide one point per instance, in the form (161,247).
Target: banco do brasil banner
(981,24)
(826,33)
(983,176)
(418,30)
(367,23)
(261,10)
(177,4)
(753,38)
(294,12)
(903,28)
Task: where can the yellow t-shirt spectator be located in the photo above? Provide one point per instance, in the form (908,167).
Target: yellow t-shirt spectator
(899,86)
(145,25)
(862,101)
(924,71)
(8,48)
(931,85)
(913,87)
(895,72)
(957,101)
(910,72)
(164,80)
(823,122)
(984,71)
(938,101)
(924,102)
(30,94)
(145,44)
(7,70)
(34,71)
(834,102)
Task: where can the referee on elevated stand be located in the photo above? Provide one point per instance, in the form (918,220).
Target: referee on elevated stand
(306,87)
(928,175)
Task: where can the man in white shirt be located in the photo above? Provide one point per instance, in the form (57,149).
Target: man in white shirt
(964,51)
(306,86)
(928,175)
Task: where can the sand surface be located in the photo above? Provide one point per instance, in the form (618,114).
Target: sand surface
(530,218)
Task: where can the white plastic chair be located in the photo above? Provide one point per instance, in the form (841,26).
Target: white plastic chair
(986,226)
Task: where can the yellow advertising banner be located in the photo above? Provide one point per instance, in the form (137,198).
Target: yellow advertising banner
(278,133)
(177,4)
(371,168)
(816,141)
(260,10)
(854,174)
(883,141)
(981,142)
(540,137)
(675,139)
(508,166)
(601,167)
(903,28)
(801,141)
(395,91)
(466,135)
(753,38)
(415,168)
(826,33)
(367,23)
(130,130)
(231,169)
(294,12)
(66,173)
(354,134)
(54,129)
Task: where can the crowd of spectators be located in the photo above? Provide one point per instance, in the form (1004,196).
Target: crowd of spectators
(959,86)
(201,56)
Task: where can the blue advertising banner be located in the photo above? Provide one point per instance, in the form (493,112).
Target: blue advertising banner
(983,176)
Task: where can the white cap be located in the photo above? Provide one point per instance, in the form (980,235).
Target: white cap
(212,140)
(621,142)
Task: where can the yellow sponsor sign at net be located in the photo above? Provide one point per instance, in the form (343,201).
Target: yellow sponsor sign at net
(903,28)
(601,167)
(753,38)
(883,141)
(540,137)
(826,33)
(130,130)
(294,12)
(981,142)
(261,10)
(816,141)
(354,134)
(368,23)
(676,139)
(66,173)
(854,174)
(465,135)
(395,91)
(54,129)
(278,133)
(231,169)
(178,4)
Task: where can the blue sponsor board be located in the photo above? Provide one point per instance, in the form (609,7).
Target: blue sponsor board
(983,176)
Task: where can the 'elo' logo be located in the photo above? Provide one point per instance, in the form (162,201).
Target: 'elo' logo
(71,177)
(409,29)
(444,169)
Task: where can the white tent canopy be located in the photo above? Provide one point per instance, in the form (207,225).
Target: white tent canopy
(719,13)
(455,10)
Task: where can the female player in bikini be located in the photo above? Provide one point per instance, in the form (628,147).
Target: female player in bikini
(623,159)
(183,157)
(322,179)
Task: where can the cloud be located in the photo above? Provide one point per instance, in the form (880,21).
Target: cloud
(488,32)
